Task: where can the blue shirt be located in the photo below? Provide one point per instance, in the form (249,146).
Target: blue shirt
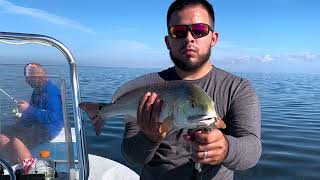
(45,108)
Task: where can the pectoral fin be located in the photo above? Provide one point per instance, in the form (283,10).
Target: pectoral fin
(165,126)
(220,124)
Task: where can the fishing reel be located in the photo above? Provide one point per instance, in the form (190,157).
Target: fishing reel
(15,113)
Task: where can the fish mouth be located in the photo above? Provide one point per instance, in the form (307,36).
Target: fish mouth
(202,121)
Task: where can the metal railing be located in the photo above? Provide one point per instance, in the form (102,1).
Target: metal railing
(4,163)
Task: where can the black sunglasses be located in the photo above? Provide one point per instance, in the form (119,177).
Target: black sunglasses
(197,30)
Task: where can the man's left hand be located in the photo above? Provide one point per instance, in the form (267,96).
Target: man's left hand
(208,147)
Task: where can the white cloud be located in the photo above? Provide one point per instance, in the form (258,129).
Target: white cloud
(268,58)
(11,8)
(305,56)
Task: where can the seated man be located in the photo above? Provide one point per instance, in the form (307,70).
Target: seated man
(41,120)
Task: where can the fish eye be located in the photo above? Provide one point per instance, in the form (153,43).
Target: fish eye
(193,103)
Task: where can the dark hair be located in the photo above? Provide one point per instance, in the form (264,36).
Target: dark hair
(179,5)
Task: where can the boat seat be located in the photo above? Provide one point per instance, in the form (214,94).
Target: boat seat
(62,137)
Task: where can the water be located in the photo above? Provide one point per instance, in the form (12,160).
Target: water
(290,105)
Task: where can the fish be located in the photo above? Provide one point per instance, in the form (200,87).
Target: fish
(184,106)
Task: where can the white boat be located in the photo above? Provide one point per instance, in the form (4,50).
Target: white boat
(69,147)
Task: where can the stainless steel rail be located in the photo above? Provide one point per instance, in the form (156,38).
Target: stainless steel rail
(21,38)
(4,163)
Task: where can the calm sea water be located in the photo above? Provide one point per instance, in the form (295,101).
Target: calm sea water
(290,105)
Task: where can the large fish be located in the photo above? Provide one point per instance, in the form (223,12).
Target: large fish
(185,106)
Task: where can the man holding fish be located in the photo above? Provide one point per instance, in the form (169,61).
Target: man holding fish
(190,121)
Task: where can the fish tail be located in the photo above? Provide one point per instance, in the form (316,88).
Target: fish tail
(96,114)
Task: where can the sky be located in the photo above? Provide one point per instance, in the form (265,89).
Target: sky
(254,35)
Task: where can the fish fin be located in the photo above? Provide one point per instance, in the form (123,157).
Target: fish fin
(93,111)
(165,126)
(136,83)
(220,124)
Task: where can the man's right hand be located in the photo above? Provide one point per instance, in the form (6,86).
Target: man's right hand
(148,117)
(23,106)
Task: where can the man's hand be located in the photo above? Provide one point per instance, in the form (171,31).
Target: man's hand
(208,147)
(148,116)
(23,106)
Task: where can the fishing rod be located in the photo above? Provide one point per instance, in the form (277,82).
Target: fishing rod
(9,96)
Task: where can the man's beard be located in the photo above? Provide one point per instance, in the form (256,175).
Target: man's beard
(187,65)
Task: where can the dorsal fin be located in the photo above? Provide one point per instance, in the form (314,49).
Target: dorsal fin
(136,83)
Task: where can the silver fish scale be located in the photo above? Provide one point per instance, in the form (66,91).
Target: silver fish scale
(172,93)
(163,89)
